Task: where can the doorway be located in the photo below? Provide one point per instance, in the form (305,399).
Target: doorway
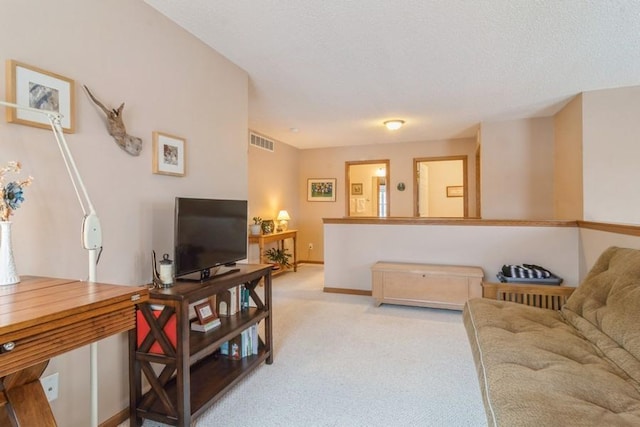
(440,187)
(366,188)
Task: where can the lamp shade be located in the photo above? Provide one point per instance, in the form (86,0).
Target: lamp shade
(283,216)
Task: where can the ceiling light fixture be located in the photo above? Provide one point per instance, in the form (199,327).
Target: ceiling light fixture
(394,124)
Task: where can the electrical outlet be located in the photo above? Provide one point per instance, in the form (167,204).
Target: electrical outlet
(50,386)
(310,246)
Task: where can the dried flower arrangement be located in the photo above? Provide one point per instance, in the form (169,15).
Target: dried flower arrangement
(11,194)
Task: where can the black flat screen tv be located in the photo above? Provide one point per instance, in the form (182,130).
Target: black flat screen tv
(209,233)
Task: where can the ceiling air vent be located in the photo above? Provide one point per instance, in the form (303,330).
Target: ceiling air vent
(260,142)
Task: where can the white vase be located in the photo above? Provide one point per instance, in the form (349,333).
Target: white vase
(8,273)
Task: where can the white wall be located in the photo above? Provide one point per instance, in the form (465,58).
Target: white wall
(351,249)
(124,51)
(517,169)
(611,152)
(567,177)
(273,186)
(594,242)
(443,174)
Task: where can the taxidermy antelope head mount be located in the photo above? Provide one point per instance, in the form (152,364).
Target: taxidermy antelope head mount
(115,126)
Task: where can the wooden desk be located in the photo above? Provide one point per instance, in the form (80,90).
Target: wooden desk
(44,317)
(261,239)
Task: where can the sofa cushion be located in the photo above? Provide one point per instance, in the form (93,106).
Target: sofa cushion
(537,370)
(606,308)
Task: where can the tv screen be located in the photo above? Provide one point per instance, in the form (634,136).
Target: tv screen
(209,233)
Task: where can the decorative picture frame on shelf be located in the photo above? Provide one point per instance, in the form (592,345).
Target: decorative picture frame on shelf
(455,191)
(321,190)
(205,312)
(40,89)
(268,226)
(356,189)
(169,154)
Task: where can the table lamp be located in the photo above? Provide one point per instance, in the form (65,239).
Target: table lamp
(283,217)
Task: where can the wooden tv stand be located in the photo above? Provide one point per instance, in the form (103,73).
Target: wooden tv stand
(193,375)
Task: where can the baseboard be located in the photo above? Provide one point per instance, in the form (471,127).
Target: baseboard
(347,291)
(117,419)
(310,262)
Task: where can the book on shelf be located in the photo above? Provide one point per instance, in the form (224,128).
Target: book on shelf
(213,324)
(234,303)
(243,345)
(244,298)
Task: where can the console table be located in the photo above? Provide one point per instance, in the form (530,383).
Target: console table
(43,317)
(262,239)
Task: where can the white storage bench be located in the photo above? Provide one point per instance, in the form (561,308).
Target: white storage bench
(425,285)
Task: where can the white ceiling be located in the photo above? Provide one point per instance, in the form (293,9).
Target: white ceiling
(336,69)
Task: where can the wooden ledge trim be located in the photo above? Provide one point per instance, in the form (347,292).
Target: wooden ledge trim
(451,221)
(347,291)
(627,229)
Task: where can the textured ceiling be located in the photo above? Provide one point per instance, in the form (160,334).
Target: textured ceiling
(336,69)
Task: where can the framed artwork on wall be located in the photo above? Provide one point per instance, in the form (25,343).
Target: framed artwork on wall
(356,189)
(455,191)
(169,157)
(321,189)
(40,89)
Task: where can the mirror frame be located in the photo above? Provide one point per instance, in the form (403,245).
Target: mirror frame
(436,159)
(347,180)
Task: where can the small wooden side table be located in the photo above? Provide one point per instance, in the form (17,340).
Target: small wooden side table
(280,237)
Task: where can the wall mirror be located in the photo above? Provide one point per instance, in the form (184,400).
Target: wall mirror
(367,188)
(440,189)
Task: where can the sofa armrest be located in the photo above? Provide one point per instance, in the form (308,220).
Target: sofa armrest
(544,296)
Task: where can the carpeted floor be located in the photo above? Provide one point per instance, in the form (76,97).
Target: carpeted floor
(340,361)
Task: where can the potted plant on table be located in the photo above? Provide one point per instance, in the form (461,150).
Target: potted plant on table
(256,228)
(278,257)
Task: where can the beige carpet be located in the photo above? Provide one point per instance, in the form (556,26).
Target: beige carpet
(340,361)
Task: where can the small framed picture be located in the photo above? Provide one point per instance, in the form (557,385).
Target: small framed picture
(40,89)
(321,190)
(205,312)
(356,189)
(169,157)
(455,191)
(268,226)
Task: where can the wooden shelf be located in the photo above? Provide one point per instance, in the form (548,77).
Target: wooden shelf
(199,341)
(192,375)
(203,392)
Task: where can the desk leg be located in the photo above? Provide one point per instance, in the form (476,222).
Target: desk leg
(295,255)
(26,403)
(261,251)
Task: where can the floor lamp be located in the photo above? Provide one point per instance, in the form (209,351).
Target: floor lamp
(91,230)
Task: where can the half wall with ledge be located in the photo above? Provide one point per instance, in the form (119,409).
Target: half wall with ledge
(353,245)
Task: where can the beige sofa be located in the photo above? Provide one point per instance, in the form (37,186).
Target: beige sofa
(577,366)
